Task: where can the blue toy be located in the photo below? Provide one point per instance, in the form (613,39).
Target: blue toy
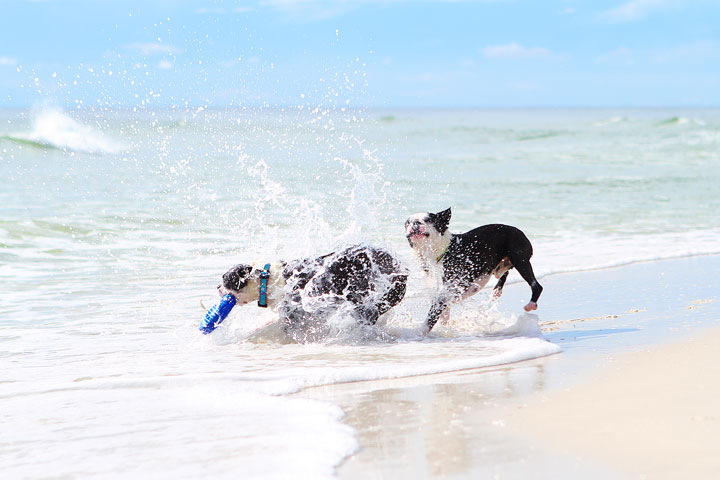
(217,314)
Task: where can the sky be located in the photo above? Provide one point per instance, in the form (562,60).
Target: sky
(360,53)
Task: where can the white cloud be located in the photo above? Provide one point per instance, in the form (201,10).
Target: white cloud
(7,62)
(155,48)
(165,64)
(620,55)
(515,51)
(637,9)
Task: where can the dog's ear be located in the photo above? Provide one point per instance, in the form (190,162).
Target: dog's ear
(441,220)
(256,272)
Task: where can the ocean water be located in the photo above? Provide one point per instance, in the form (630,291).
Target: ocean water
(116,224)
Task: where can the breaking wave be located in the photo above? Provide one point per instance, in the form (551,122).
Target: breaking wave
(55,129)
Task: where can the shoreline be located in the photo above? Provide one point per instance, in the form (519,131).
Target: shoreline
(466,424)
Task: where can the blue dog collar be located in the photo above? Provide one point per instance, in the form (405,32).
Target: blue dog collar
(264,275)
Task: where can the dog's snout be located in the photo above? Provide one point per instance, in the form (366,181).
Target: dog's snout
(414,227)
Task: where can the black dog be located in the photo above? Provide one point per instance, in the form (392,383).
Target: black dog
(468,260)
(364,281)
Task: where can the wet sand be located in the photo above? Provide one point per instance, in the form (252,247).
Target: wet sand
(554,417)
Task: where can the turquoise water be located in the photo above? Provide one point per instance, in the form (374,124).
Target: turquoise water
(133,197)
(114,224)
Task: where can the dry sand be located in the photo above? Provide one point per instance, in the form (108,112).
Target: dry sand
(654,413)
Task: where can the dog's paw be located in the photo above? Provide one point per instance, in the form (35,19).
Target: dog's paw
(530,306)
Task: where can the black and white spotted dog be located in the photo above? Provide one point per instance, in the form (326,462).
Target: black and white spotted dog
(364,281)
(469,259)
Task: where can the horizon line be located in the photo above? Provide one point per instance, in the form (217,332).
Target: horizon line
(200,108)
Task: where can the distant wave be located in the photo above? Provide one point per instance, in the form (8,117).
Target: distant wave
(682,121)
(54,129)
(26,141)
(538,136)
(612,121)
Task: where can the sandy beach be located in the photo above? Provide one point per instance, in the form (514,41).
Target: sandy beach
(632,395)
(652,413)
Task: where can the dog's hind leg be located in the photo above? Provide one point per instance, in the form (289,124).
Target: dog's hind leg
(501,273)
(522,265)
(497,290)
